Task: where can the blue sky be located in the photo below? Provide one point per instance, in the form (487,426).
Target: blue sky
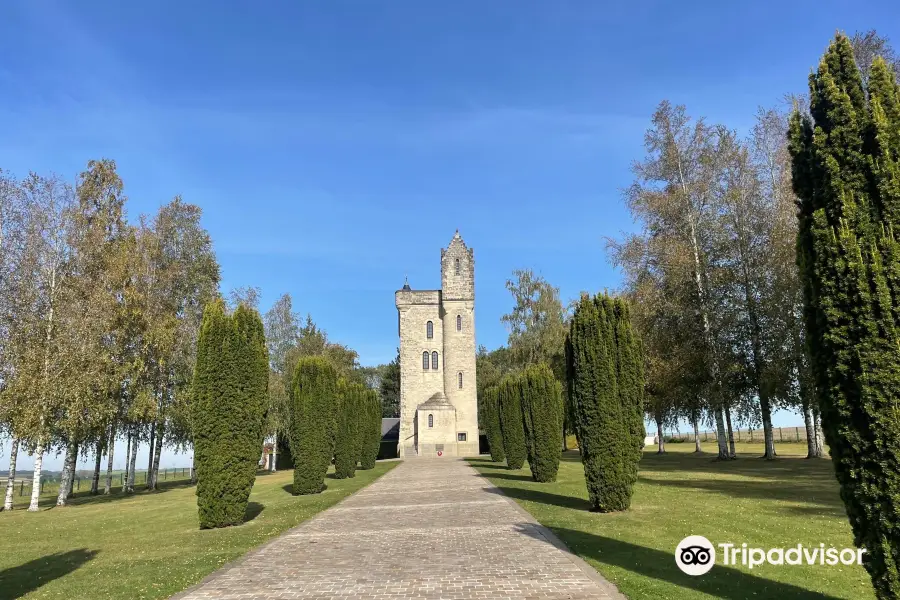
(336,146)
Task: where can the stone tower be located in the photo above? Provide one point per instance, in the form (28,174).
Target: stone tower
(438,403)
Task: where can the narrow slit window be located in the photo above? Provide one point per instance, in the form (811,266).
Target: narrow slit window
(431,420)
(429,330)
(425,360)
(457,266)
(459,322)
(459,378)
(434,360)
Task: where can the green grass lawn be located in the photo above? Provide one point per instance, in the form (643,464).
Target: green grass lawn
(766,504)
(147,545)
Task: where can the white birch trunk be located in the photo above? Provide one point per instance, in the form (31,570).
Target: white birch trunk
(11,480)
(131,464)
(696,425)
(36,480)
(110,452)
(153,476)
(67,473)
(660,440)
(98,462)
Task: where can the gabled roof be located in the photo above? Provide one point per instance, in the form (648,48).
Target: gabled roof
(437,401)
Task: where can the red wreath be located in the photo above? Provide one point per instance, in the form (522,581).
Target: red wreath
(440,453)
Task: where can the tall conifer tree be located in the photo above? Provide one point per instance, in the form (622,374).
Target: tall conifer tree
(370,430)
(846,155)
(542,412)
(511,422)
(230,389)
(604,378)
(491,414)
(348,438)
(314,412)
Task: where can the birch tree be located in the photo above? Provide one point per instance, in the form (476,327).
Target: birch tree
(672,198)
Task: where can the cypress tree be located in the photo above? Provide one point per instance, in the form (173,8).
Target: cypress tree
(511,422)
(314,412)
(605,422)
(630,383)
(846,173)
(542,412)
(230,389)
(348,438)
(371,430)
(490,407)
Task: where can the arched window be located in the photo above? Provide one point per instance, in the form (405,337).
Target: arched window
(429,330)
(431,420)
(459,377)
(425,360)
(457,266)
(459,322)
(434,362)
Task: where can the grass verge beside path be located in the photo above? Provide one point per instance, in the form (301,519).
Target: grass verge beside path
(765,504)
(147,545)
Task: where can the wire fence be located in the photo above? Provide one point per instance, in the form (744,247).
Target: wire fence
(781,434)
(22,485)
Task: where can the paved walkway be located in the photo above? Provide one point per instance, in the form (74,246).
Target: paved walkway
(429,529)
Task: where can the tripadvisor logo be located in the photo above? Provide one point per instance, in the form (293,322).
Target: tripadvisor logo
(696,555)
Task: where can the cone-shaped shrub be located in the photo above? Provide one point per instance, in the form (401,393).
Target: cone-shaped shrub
(490,408)
(542,416)
(846,174)
(348,439)
(604,410)
(370,426)
(230,388)
(314,412)
(511,422)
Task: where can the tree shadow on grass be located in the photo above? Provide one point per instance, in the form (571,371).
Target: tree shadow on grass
(530,495)
(720,582)
(797,490)
(253,510)
(489,465)
(15,582)
(790,469)
(289,488)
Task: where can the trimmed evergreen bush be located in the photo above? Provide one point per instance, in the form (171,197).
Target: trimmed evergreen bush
(603,407)
(371,430)
(230,387)
(490,408)
(846,173)
(542,412)
(314,412)
(511,422)
(348,438)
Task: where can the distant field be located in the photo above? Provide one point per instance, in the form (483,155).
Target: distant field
(766,504)
(146,545)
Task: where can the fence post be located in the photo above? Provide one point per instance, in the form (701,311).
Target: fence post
(751,434)
(78,484)
(780,435)
(42,487)
(22,488)
(797,429)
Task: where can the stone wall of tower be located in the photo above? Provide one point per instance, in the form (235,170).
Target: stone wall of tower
(458,301)
(415,309)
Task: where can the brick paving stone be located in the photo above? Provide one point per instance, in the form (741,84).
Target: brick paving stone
(430,529)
